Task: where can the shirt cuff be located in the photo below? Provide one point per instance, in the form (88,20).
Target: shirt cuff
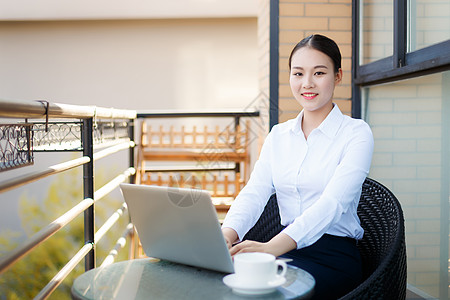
(235,227)
(300,239)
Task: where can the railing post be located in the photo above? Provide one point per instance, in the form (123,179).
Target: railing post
(237,166)
(88,191)
(133,241)
(131,151)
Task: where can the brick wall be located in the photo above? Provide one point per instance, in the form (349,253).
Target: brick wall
(431,22)
(377,27)
(407,122)
(300,18)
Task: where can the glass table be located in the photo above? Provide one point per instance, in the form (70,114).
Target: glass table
(150,278)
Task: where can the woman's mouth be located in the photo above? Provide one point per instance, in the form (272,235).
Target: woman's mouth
(309,96)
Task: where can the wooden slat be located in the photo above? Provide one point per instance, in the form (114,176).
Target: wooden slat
(183,136)
(154,155)
(215,145)
(219,186)
(225,139)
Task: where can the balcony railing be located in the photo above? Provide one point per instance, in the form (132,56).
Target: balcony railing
(38,126)
(66,128)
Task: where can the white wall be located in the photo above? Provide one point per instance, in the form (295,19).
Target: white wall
(132,64)
(186,63)
(119,9)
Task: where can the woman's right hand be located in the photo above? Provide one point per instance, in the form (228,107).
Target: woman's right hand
(230,236)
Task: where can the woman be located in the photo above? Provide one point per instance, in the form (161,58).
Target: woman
(316,164)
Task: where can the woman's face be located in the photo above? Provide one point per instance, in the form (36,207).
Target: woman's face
(313,79)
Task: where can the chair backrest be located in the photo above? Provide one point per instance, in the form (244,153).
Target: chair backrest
(268,224)
(383,248)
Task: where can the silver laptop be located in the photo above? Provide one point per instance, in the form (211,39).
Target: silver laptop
(178,225)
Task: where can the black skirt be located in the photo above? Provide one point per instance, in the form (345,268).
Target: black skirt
(334,262)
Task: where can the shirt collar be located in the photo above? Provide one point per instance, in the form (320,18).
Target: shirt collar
(329,126)
(296,126)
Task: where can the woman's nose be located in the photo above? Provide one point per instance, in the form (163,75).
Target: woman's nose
(308,82)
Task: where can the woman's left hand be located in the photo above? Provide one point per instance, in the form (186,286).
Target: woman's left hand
(250,246)
(277,246)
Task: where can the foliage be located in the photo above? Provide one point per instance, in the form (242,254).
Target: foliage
(29,275)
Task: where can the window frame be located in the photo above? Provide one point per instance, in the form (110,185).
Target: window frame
(400,65)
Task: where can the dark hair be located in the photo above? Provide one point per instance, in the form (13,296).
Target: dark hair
(323,44)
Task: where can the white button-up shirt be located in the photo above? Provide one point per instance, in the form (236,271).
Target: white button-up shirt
(317,181)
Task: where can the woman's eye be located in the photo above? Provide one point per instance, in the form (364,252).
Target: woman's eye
(320,73)
(298,74)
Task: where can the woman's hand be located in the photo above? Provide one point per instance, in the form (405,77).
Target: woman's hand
(249,246)
(278,245)
(230,236)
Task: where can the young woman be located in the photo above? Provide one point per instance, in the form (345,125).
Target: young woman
(316,164)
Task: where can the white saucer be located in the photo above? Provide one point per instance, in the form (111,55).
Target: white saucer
(239,288)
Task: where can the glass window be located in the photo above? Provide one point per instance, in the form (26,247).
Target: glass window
(410,121)
(376,22)
(428,23)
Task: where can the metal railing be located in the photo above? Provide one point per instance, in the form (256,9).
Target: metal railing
(40,126)
(83,129)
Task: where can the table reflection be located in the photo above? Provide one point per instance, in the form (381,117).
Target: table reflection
(158,279)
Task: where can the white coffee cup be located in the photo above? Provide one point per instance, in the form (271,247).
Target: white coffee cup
(257,269)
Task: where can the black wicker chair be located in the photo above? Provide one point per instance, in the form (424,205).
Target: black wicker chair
(383,248)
